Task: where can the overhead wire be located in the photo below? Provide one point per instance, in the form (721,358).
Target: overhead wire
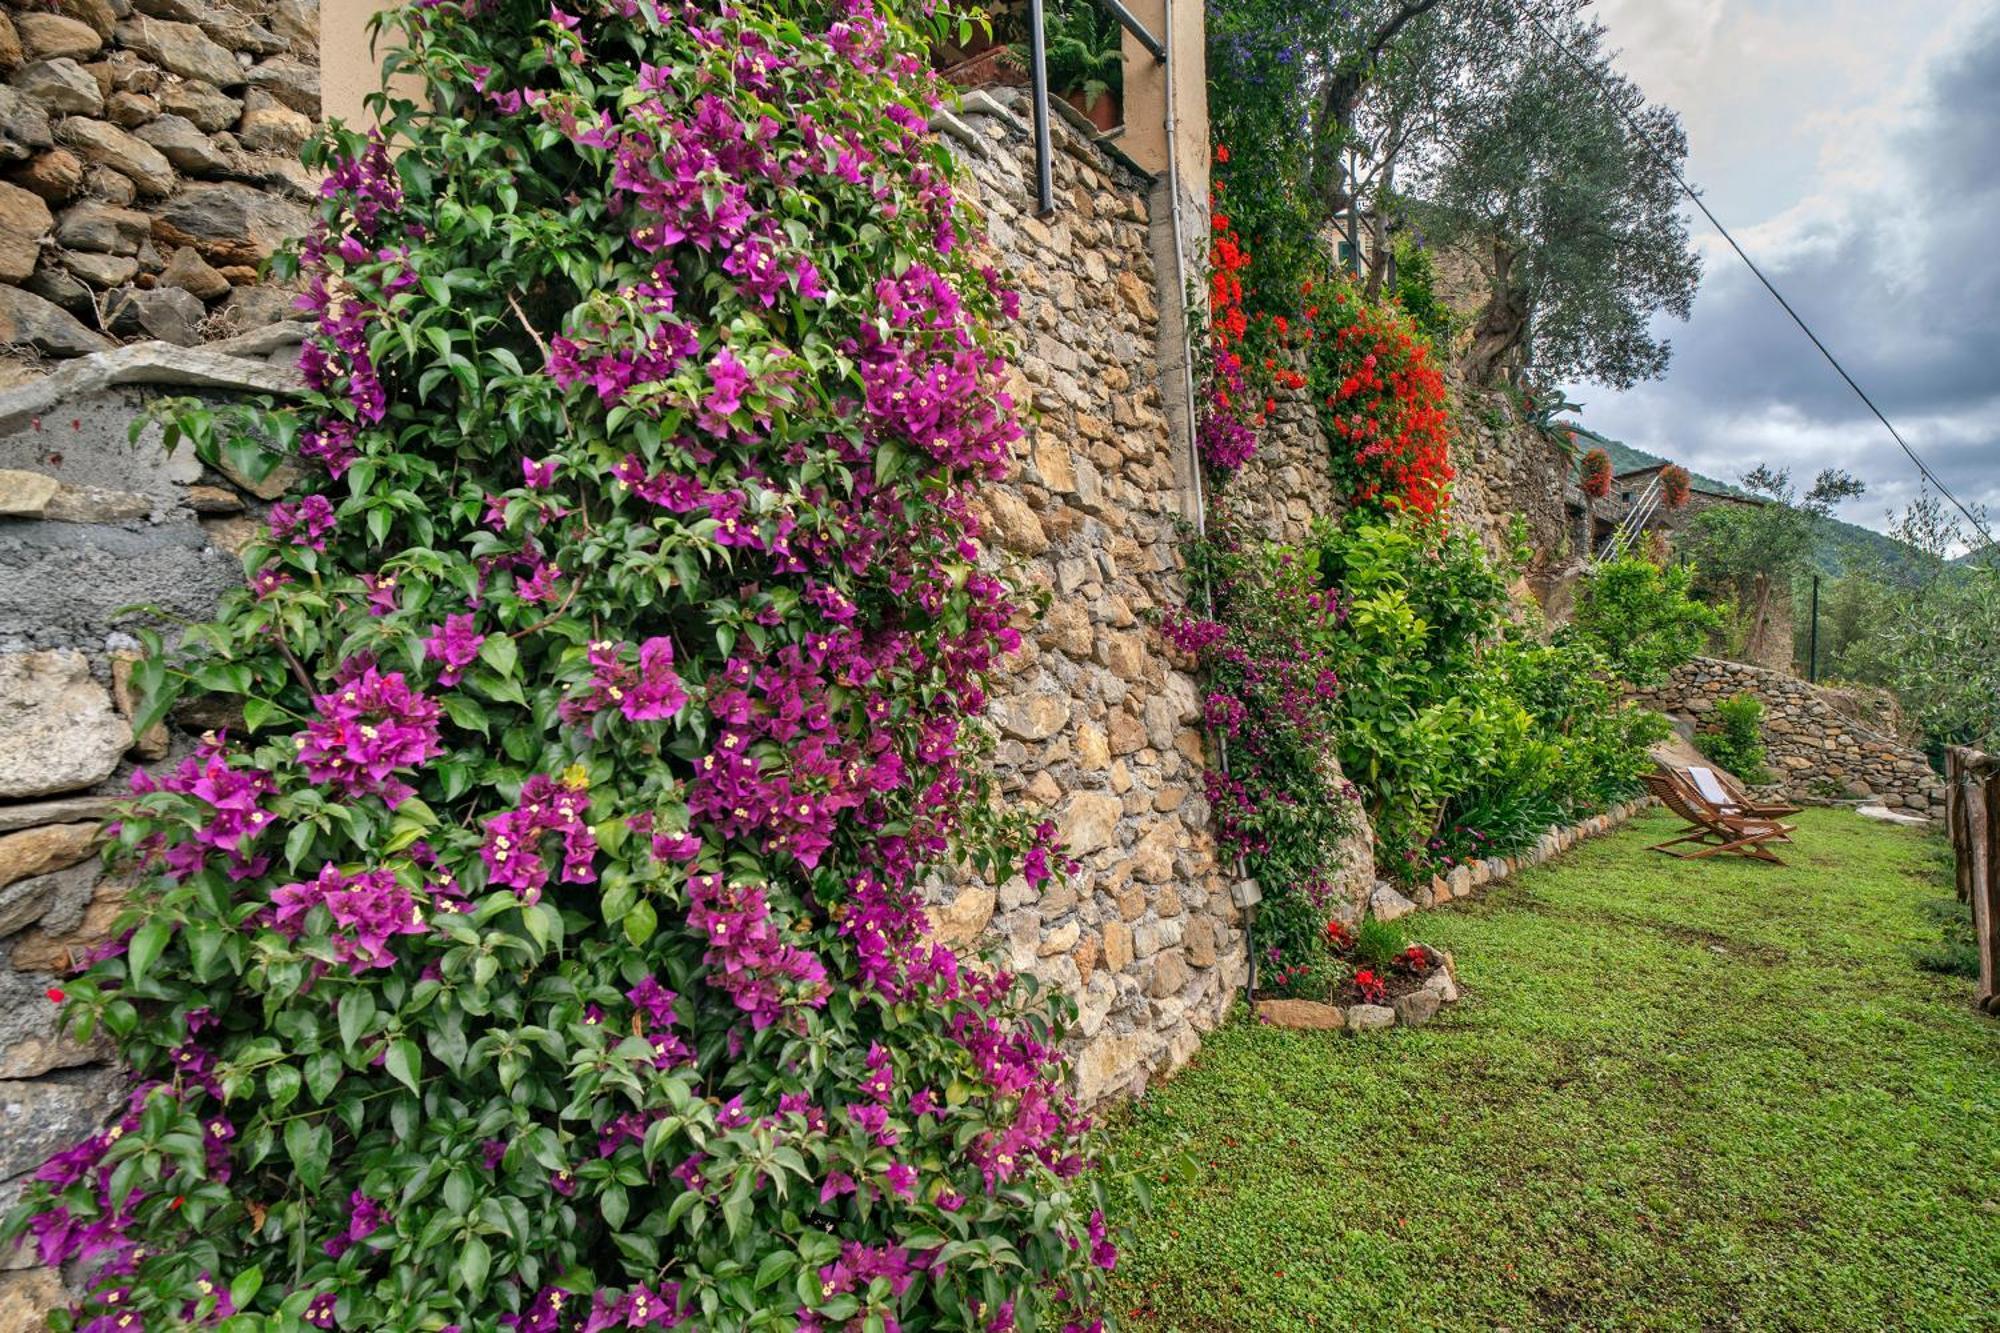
(1667,164)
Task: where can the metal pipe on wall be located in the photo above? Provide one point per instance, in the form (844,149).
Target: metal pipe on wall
(1038,94)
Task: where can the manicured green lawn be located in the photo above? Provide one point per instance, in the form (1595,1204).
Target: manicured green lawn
(1676,1095)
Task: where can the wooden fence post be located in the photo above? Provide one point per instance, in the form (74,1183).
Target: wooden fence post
(1972,821)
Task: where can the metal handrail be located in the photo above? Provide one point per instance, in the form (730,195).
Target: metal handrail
(1635,520)
(1038,89)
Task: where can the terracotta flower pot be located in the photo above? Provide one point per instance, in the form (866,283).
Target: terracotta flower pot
(1107,113)
(985,70)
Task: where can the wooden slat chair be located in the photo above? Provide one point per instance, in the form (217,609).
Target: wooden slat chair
(1730,798)
(1713,832)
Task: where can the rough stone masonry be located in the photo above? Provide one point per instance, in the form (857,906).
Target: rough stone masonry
(149,163)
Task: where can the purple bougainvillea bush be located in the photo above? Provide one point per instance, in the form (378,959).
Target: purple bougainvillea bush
(542,949)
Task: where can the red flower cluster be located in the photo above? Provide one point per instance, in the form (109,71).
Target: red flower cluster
(1373,989)
(1675,485)
(1384,411)
(1595,476)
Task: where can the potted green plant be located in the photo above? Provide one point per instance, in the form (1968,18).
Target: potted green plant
(1086,60)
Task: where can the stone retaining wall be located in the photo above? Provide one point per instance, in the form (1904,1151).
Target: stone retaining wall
(1813,747)
(90,521)
(1097,724)
(149,162)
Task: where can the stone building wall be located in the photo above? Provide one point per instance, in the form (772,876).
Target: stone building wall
(90,521)
(149,162)
(1096,724)
(1287,484)
(1816,750)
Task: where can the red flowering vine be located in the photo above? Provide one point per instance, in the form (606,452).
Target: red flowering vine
(1675,486)
(1595,474)
(1382,403)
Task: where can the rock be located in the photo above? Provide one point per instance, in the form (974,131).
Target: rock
(37,851)
(1117,946)
(1034,718)
(960,922)
(188,271)
(182,143)
(1888,816)
(167,313)
(289,80)
(269,126)
(65,811)
(130,110)
(105,144)
(1389,905)
(1304,1015)
(206,106)
(104,228)
(297,21)
(1105,1065)
(57,286)
(101,182)
(1417,1008)
(229,223)
(55,175)
(1013,524)
(58,728)
(1087,821)
(1440,984)
(99,14)
(24,127)
(183,49)
(25,494)
(37,1119)
(60,86)
(1370,1017)
(28,320)
(27,1297)
(97,504)
(102,271)
(1201,942)
(55,37)
(56,951)
(1153,857)
(11,54)
(1170,973)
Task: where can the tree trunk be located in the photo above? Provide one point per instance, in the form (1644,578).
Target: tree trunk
(1335,116)
(1502,325)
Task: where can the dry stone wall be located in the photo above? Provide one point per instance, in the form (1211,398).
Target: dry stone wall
(1097,725)
(91,521)
(149,162)
(1813,747)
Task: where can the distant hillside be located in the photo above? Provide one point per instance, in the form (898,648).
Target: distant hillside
(1845,545)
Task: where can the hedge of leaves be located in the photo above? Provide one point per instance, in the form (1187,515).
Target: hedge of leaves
(544,950)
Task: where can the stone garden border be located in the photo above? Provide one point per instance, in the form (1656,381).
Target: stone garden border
(1387,903)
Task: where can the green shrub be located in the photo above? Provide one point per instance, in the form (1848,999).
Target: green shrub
(1643,618)
(545,948)
(1378,942)
(1736,740)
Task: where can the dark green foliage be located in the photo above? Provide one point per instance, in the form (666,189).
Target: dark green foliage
(1956,953)
(1736,740)
(1377,942)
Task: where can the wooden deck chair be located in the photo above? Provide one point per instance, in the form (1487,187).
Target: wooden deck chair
(1730,798)
(1713,832)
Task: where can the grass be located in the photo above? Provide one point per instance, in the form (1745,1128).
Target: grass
(1706,1095)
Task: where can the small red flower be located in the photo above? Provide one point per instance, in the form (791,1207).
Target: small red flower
(55,994)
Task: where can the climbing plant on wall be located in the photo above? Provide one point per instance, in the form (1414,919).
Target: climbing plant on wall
(1383,407)
(542,947)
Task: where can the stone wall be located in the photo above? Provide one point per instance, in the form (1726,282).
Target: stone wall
(1096,724)
(149,162)
(90,522)
(1287,484)
(1816,750)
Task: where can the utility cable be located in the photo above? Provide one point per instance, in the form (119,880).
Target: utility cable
(1666,163)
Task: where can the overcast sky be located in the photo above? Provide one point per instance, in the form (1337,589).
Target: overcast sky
(1853,147)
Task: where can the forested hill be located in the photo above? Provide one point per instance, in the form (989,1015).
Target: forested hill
(1845,545)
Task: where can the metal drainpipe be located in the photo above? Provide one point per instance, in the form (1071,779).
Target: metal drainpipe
(1188,393)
